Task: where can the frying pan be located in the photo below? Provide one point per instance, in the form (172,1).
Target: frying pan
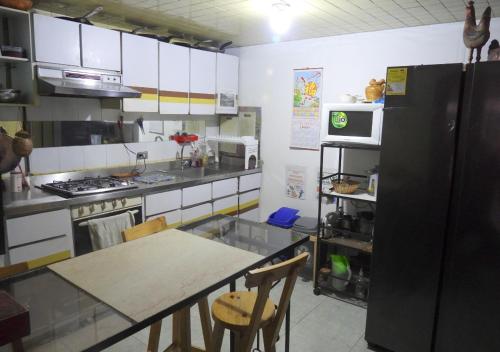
(85,18)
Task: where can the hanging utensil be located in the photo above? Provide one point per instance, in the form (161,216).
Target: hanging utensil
(140,123)
(85,18)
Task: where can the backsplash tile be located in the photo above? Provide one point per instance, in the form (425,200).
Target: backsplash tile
(45,160)
(94,156)
(117,155)
(71,158)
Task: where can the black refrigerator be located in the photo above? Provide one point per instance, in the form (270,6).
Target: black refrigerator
(435,275)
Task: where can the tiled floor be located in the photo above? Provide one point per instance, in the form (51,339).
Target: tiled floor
(318,324)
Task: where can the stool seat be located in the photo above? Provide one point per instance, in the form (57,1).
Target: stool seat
(234,310)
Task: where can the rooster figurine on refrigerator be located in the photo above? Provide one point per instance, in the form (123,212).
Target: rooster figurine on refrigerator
(476,35)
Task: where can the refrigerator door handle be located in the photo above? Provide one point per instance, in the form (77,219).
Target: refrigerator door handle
(451,125)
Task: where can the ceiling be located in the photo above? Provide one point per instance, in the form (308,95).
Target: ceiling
(246,22)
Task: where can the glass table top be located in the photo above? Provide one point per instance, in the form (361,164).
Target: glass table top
(62,317)
(266,240)
(66,318)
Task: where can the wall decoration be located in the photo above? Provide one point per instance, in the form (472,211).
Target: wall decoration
(476,35)
(296,177)
(306,118)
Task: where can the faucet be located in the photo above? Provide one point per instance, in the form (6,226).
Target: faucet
(158,138)
(182,153)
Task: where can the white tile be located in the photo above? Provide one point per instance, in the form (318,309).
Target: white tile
(71,158)
(117,155)
(94,156)
(64,109)
(89,110)
(44,160)
(41,112)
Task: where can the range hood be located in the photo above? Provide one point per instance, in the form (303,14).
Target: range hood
(82,83)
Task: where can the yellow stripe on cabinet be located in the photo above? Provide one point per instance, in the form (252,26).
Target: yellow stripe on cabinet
(147,96)
(250,204)
(227,211)
(179,100)
(202,101)
(49,259)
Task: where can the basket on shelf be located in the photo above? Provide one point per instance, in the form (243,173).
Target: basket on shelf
(344,186)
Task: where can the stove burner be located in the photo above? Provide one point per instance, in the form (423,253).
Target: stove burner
(88,185)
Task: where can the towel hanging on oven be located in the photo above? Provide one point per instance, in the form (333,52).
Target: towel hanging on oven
(107,232)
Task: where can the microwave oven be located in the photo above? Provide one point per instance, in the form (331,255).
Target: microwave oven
(352,123)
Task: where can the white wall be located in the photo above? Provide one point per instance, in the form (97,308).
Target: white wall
(349,62)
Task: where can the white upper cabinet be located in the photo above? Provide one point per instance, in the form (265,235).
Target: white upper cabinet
(56,40)
(227,84)
(101,48)
(174,79)
(202,82)
(140,72)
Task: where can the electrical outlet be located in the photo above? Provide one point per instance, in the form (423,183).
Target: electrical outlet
(142,155)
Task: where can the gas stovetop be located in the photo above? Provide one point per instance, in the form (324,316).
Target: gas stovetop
(88,185)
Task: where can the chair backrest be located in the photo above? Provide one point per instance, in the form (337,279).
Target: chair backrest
(145,229)
(263,279)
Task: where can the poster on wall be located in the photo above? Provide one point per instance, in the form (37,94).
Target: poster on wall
(296,182)
(306,117)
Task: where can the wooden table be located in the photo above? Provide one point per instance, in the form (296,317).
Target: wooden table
(141,278)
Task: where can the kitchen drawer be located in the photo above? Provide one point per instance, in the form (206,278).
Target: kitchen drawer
(249,182)
(37,227)
(58,246)
(196,213)
(226,206)
(224,188)
(174,218)
(163,202)
(248,201)
(196,194)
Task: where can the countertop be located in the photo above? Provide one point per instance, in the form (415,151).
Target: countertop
(35,200)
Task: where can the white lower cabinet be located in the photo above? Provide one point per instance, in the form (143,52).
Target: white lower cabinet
(248,205)
(196,194)
(173,218)
(226,206)
(162,202)
(57,246)
(249,182)
(224,188)
(196,213)
(40,235)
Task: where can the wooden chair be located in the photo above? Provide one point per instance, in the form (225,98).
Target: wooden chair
(244,313)
(19,268)
(181,320)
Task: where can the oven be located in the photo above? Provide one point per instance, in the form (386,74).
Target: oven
(81,214)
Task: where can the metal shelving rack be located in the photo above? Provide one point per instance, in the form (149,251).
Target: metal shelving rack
(361,246)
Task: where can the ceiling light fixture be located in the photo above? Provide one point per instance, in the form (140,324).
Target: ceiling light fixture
(280,18)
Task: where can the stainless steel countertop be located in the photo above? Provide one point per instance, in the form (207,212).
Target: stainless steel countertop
(36,200)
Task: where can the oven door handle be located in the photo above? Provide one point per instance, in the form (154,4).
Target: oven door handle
(86,223)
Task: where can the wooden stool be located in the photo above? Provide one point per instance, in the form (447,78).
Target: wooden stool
(244,313)
(181,320)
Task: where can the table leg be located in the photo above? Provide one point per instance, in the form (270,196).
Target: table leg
(181,329)
(232,288)
(287,329)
